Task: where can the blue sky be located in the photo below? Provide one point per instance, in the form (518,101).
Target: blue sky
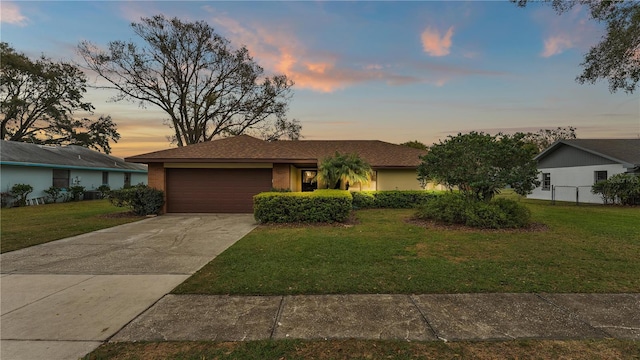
(393,71)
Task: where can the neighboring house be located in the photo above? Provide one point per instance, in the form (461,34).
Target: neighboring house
(43,166)
(569,168)
(223,175)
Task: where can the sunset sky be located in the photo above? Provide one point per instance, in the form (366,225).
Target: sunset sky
(392,71)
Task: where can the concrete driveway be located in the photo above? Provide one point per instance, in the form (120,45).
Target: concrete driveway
(62,299)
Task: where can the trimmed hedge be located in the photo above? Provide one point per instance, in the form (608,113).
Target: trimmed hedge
(391,199)
(326,206)
(456,209)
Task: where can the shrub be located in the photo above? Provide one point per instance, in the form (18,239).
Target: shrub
(141,199)
(621,189)
(484,215)
(448,208)
(104,191)
(20,192)
(455,208)
(363,200)
(53,194)
(391,199)
(75,192)
(517,215)
(325,206)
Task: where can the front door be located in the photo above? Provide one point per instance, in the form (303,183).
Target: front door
(309,182)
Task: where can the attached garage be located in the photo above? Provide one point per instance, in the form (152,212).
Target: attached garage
(214,190)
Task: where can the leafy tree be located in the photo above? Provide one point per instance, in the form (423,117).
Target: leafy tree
(207,88)
(415,144)
(38,100)
(617,56)
(341,170)
(479,164)
(545,137)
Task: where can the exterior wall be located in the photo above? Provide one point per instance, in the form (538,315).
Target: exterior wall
(568,156)
(40,178)
(157,176)
(398,180)
(371,186)
(295,179)
(92,179)
(281,176)
(136,178)
(575,176)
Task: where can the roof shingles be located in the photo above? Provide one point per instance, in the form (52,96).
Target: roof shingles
(246,148)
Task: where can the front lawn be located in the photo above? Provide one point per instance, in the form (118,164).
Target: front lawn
(32,225)
(582,249)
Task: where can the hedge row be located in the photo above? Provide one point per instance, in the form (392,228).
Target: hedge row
(326,206)
(391,199)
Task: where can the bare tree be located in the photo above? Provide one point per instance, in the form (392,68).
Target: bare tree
(38,99)
(207,88)
(543,138)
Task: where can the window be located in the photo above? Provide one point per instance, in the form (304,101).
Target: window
(105,178)
(127,179)
(309,182)
(600,176)
(60,178)
(546,181)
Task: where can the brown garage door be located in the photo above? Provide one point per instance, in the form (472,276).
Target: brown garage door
(215,190)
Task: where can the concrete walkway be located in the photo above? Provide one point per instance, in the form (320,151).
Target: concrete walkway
(436,317)
(62,299)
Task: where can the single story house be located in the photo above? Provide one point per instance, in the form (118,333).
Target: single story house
(223,175)
(569,168)
(43,166)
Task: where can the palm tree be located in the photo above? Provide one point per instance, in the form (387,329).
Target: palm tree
(340,170)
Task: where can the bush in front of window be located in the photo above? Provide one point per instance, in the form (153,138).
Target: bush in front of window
(623,189)
(141,199)
(53,194)
(320,206)
(75,192)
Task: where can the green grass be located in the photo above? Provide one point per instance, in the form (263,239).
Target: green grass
(31,225)
(584,249)
(364,349)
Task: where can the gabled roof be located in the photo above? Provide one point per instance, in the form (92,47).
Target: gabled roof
(244,148)
(70,156)
(623,151)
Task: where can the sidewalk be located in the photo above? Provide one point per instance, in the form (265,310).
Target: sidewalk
(435,317)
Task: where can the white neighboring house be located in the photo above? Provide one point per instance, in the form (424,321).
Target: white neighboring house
(43,166)
(569,168)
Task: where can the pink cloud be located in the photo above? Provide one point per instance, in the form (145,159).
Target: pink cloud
(10,14)
(570,30)
(278,50)
(435,44)
(556,44)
